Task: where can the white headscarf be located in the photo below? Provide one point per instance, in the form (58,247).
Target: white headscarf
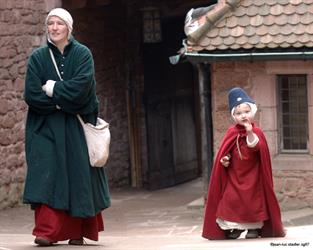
(65,16)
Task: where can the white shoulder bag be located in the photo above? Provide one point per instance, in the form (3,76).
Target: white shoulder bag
(97,137)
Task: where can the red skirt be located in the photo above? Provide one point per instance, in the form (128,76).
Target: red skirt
(56,225)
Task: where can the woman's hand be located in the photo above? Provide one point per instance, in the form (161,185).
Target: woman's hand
(225,161)
(48,87)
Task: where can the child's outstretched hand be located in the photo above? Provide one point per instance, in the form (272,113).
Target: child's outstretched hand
(225,161)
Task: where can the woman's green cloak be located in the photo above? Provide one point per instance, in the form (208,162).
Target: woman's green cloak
(58,170)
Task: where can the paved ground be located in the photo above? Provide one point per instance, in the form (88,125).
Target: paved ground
(167,219)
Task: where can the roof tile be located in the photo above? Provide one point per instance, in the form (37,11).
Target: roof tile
(283,2)
(310,8)
(301,8)
(213,34)
(229,40)
(218,41)
(291,39)
(263,30)
(237,31)
(223,47)
(295,2)
(281,20)
(247,46)
(309,29)
(256,20)
(252,11)
(271,45)
(259,24)
(261,46)
(206,42)
(306,19)
(300,29)
(276,10)
(242,40)
(232,22)
(254,40)
(240,11)
(249,31)
(284,45)
(264,10)
(287,29)
(224,32)
(274,30)
(294,19)
(289,9)
(259,3)
(235,46)
(266,39)
(246,3)
(305,38)
(271,2)
(297,45)
(243,21)
(268,20)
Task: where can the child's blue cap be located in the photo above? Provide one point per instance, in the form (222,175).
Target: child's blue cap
(238,96)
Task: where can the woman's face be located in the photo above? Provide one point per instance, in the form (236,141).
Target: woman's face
(57,30)
(243,114)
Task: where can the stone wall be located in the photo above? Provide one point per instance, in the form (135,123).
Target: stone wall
(293,181)
(102,30)
(21,31)
(294,189)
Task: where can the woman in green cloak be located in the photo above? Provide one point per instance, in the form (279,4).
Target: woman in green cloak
(66,193)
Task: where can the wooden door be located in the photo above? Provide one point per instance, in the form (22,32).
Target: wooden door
(169,102)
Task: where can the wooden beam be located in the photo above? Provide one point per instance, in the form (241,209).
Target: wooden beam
(204,97)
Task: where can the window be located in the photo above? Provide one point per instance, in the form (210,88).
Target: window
(293,113)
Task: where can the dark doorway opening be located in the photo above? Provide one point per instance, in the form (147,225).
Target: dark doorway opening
(170,111)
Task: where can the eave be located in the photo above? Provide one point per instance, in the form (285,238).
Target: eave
(248,56)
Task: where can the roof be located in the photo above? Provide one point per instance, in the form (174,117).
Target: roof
(251,24)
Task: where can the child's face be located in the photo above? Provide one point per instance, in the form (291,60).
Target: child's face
(243,114)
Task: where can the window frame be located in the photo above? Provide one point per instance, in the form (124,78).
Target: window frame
(280,116)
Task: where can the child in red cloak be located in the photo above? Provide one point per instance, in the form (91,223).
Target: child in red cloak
(240,194)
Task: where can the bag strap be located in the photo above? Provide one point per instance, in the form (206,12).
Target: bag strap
(55,64)
(58,72)
(80,119)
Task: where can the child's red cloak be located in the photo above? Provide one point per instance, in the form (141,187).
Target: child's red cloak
(272,226)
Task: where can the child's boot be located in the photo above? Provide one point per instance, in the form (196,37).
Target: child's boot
(252,234)
(234,233)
